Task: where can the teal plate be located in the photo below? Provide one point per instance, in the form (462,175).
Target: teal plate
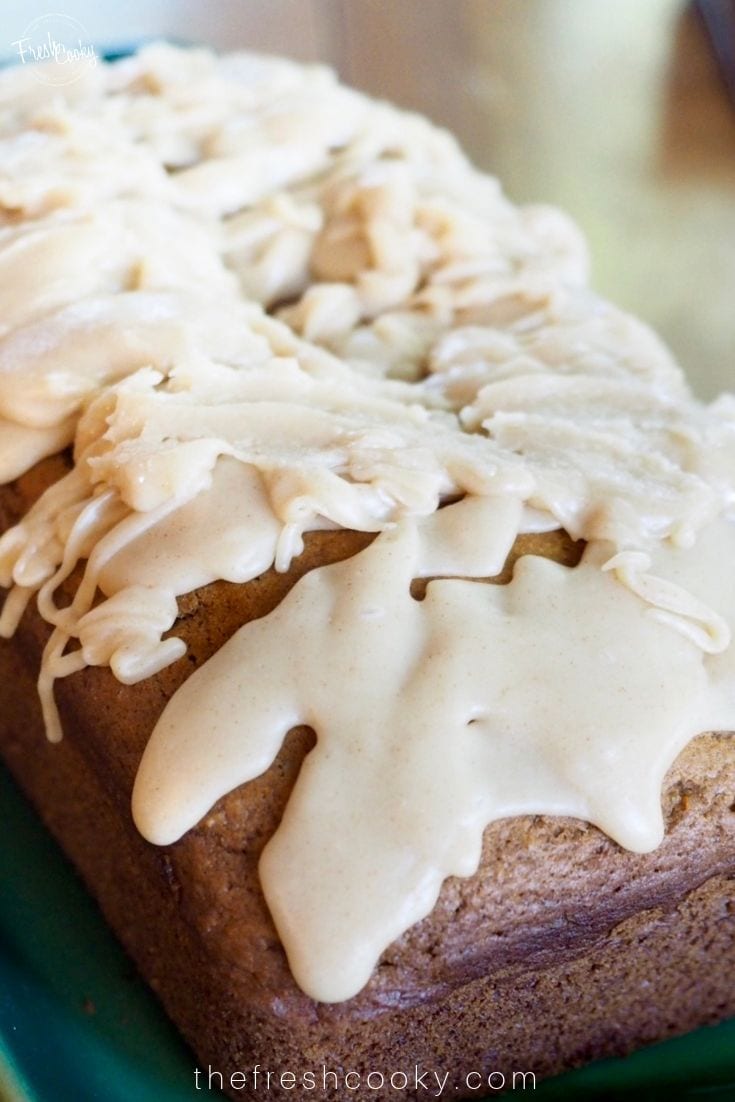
(77,1024)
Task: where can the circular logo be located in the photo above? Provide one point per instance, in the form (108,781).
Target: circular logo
(60,44)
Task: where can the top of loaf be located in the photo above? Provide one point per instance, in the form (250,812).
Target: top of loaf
(258,304)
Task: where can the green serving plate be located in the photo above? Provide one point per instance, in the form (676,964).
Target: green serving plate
(77,1024)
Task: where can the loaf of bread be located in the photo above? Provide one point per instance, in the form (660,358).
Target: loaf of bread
(386,583)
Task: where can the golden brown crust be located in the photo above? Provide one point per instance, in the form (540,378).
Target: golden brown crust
(503,952)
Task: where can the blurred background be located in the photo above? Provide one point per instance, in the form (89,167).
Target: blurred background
(615,110)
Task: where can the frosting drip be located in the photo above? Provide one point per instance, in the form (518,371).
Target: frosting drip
(432,719)
(259,304)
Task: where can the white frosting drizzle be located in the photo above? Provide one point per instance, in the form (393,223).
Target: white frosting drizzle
(429,725)
(260,304)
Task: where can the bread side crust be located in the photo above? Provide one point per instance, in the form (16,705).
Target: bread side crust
(563,947)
